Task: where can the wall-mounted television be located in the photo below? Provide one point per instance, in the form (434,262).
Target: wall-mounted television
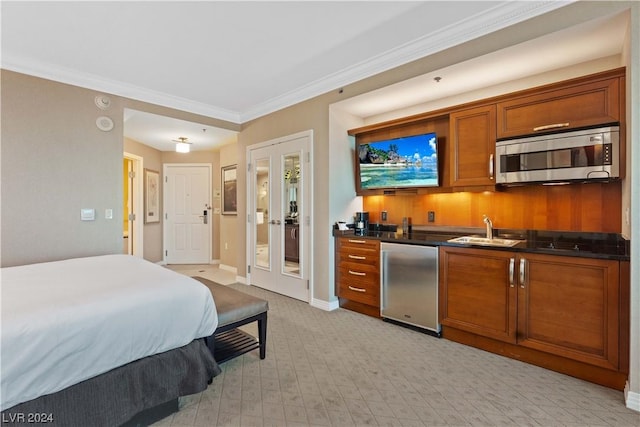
(406,162)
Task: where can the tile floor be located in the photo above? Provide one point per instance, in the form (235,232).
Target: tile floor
(341,368)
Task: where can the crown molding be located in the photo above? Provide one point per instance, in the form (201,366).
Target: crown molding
(499,17)
(18,64)
(504,14)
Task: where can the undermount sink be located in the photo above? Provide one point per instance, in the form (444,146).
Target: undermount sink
(476,240)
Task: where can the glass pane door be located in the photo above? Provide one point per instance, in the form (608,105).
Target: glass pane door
(262,208)
(291,188)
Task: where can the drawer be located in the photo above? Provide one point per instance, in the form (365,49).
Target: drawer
(356,290)
(347,243)
(363,256)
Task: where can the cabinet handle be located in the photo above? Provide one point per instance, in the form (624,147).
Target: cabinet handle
(552,126)
(357,289)
(357,257)
(491,166)
(523,263)
(512,266)
(357,241)
(357,273)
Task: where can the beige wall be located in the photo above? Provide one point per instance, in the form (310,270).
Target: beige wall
(230,224)
(55,161)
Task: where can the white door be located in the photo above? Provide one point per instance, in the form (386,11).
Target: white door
(279,220)
(187,214)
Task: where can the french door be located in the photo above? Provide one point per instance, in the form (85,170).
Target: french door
(279,219)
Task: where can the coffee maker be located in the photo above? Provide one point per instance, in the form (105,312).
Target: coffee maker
(361,223)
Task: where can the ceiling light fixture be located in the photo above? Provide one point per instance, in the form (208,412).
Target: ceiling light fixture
(182,146)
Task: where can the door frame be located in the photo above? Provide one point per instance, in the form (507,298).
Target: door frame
(307,222)
(165,234)
(138,200)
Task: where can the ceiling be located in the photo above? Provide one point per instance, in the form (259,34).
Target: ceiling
(236,61)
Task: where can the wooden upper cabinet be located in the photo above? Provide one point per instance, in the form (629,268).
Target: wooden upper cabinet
(562,107)
(472,134)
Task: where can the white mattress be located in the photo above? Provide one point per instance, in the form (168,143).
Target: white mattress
(67,321)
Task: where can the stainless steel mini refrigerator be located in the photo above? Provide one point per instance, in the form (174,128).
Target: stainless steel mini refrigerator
(409,281)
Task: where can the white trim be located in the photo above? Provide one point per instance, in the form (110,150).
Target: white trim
(632,399)
(497,18)
(229,268)
(138,208)
(504,14)
(90,81)
(242,279)
(325,305)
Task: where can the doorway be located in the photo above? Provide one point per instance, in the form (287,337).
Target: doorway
(187,213)
(280,219)
(132,226)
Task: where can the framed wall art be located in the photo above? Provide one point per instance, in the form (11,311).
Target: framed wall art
(229,190)
(151,196)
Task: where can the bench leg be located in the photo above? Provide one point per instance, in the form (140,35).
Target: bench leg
(262,335)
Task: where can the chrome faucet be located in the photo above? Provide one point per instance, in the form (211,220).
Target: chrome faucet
(487,221)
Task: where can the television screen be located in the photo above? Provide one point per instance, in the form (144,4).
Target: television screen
(410,161)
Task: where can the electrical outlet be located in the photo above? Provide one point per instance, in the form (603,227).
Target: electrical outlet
(383,215)
(431,216)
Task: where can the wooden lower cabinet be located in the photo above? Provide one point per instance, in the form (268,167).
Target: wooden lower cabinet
(358,274)
(564,313)
(292,243)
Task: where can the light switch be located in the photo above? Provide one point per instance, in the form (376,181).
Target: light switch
(108,214)
(87,214)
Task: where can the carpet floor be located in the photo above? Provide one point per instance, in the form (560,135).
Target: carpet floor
(341,368)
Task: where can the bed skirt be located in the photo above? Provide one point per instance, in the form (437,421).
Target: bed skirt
(115,397)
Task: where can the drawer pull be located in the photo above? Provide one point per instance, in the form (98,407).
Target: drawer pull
(553,126)
(357,241)
(357,289)
(357,273)
(357,257)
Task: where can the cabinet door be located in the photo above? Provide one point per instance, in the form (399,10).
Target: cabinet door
(571,107)
(477,293)
(569,306)
(473,146)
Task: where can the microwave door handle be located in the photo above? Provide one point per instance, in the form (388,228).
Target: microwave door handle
(491,166)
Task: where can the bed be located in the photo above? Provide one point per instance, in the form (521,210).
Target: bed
(98,340)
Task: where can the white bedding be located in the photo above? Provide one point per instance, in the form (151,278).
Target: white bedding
(67,321)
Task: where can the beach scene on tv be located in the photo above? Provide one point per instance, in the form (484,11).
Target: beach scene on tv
(402,162)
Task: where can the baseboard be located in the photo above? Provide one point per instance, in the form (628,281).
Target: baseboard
(325,305)
(214,262)
(632,399)
(241,279)
(228,268)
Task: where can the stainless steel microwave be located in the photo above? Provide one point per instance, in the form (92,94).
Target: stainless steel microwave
(583,155)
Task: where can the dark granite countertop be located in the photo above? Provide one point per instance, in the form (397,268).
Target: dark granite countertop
(568,243)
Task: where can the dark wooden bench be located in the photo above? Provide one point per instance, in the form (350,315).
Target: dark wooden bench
(235,309)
